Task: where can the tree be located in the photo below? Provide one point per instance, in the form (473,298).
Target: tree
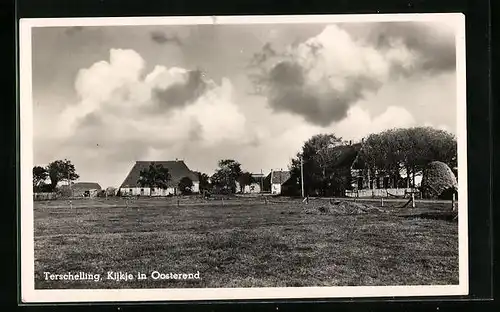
(319,156)
(408,151)
(61,170)
(227,174)
(154,176)
(40,175)
(186,185)
(204,181)
(245,179)
(111,191)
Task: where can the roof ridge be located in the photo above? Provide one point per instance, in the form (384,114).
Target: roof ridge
(177,169)
(178,160)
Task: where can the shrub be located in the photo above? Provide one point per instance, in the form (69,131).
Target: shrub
(185,186)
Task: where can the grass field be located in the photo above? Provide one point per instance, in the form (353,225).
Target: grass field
(243,243)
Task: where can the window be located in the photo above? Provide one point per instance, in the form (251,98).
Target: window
(142,191)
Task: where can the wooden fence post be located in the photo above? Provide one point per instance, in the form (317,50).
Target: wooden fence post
(413,200)
(453,202)
(382,201)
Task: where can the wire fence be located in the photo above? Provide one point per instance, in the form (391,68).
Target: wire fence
(238,200)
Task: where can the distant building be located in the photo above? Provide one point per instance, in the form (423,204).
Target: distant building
(255,187)
(276,182)
(85,189)
(177,170)
(372,183)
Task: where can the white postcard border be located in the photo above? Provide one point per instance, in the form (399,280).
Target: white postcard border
(30,295)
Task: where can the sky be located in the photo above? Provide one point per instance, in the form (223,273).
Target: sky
(107,96)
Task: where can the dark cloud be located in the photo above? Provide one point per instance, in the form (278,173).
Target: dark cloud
(267,52)
(286,84)
(435,49)
(289,92)
(181,94)
(73,30)
(162,38)
(91,120)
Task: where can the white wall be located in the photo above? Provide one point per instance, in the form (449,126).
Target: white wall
(146,191)
(196,187)
(254,188)
(276,188)
(135,191)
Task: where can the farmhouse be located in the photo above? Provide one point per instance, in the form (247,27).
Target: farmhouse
(85,189)
(351,177)
(177,170)
(277,182)
(255,187)
(366,183)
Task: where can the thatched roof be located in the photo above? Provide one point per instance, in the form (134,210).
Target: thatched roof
(176,168)
(81,186)
(280,177)
(86,186)
(438,178)
(346,155)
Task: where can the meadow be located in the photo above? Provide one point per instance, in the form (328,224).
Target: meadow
(242,242)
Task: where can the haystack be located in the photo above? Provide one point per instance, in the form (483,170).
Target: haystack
(438,181)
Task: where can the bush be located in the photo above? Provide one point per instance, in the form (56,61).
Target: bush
(63,191)
(185,186)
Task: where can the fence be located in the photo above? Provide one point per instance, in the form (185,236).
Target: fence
(44,196)
(378,193)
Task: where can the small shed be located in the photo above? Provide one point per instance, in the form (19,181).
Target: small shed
(85,189)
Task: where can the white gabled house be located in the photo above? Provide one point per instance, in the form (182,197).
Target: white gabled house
(177,170)
(276,181)
(255,188)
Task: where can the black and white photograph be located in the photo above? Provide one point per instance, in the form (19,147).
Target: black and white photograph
(243,157)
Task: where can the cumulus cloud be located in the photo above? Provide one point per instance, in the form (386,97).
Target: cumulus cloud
(113,118)
(359,123)
(321,78)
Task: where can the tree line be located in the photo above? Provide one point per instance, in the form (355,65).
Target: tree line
(223,180)
(401,153)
